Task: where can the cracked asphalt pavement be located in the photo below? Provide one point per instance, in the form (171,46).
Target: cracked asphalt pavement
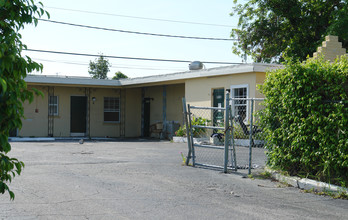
(142,179)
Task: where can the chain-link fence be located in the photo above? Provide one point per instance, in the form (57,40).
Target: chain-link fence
(208,135)
(244,112)
(220,140)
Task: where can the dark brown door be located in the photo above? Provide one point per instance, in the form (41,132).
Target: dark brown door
(146,117)
(78,114)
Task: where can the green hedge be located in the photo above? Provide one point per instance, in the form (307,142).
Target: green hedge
(305,119)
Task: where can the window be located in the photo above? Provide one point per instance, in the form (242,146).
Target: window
(240,107)
(111,109)
(53,105)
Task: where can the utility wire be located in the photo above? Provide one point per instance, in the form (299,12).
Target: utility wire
(113,66)
(143,18)
(129,58)
(136,32)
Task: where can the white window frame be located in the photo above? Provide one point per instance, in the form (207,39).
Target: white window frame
(55,105)
(112,110)
(232,95)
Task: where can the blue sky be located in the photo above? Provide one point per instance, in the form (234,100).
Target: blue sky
(58,37)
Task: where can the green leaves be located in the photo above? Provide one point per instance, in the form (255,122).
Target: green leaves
(197,132)
(267,30)
(100,68)
(13,88)
(9,168)
(119,75)
(3,85)
(305,119)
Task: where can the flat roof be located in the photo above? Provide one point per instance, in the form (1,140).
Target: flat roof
(180,76)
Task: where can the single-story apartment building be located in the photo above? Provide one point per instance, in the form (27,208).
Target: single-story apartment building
(76,106)
(144,106)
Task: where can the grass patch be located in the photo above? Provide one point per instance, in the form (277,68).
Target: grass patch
(264,175)
(334,195)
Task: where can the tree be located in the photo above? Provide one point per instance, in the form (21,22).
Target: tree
(119,75)
(305,119)
(14,14)
(268,29)
(100,68)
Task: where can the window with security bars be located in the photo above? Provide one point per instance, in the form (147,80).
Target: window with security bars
(239,107)
(111,109)
(53,105)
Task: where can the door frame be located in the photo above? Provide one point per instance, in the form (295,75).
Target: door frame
(78,134)
(146,125)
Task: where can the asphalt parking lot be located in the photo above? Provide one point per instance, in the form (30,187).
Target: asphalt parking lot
(139,179)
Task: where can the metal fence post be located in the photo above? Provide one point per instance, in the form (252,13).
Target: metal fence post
(251,134)
(189,127)
(233,154)
(189,154)
(226,131)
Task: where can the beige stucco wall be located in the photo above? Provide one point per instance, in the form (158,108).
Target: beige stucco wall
(99,128)
(133,112)
(260,79)
(156,103)
(35,123)
(62,121)
(199,91)
(174,95)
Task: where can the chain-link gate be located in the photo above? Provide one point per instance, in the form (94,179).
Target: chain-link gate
(214,143)
(209,136)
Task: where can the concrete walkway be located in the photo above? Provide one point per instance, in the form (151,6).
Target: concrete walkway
(145,180)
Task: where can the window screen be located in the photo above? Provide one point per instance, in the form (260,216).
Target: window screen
(111,109)
(53,105)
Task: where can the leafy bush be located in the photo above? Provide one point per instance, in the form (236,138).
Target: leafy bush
(305,119)
(197,132)
(13,89)
(181,132)
(238,132)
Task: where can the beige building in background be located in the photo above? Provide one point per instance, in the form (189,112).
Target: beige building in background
(330,49)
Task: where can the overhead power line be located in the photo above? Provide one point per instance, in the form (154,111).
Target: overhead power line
(143,18)
(129,58)
(113,66)
(136,32)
